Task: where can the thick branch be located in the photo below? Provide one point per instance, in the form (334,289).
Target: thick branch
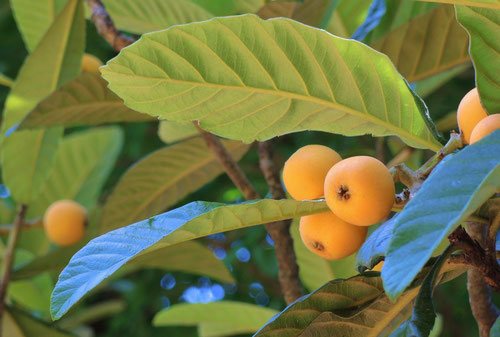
(106,28)
(280,231)
(482,307)
(8,259)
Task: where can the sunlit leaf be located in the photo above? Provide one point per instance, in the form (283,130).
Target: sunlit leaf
(172,132)
(88,268)
(483,26)
(162,179)
(84,101)
(455,189)
(494,4)
(248,79)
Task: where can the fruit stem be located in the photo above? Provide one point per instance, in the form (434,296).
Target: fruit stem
(453,144)
(8,259)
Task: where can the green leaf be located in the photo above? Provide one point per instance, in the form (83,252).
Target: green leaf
(84,101)
(6,81)
(232,317)
(104,255)
(33,327)
(495,329)
(494,4)
(426,45)
(55,61)
(315,271)
(81,166)
(310,12)
(375,247)
(483,26)
(455,189)
(93,313)
(172,132)
(423,316)
(152,15)
(248,79)
(348,16)
(35,17)
(429,85)
(162,179)
(58,55)
(26,158)
(230,7)
(352,307)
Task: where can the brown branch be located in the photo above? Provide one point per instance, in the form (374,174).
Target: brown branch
(380,149)
(483,309)
(280,231)
(105,26)
(6,229)
(8,259)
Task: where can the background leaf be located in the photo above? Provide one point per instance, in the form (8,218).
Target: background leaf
(84,101)
(81,166)
(495,329)
(230,7)
(33,327)
(477,3)
(375,13)
(375,246)
(225,65)
(150,15)
(56,60)
(162,179)
(35,17)
(6,81)
(88,268)
(455,189)
(483,26)
(426,45)
(232,317)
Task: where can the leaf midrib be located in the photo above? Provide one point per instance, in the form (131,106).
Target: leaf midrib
(289,95)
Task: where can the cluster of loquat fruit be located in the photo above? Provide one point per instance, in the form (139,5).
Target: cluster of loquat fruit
(358,190)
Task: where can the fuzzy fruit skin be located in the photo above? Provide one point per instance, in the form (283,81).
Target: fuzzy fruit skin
(64,222)
(470,112)
(368,190)
(329,236)
(305,171)
(91,64)
(485,127)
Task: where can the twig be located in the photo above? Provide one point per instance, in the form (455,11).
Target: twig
(483,309)
(380,149)
(280,231)
(8,259)
(105,26)
(401,157)
(6,229)
(453,144)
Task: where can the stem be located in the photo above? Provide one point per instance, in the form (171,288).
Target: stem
(280,231)
(453,144)
(6,229)
(483,309)
(380,149)
(105,26)
(8,259)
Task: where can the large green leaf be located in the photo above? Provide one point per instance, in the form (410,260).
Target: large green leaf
(150,15)
(162,179)
(104,255)
(27,156)
(375,247)
(35,17)
(230,7)
(172,132)
(455,189)
(230,318)
(245,78)
(494,4)
(315,271)
(426,45)
(483,26)
(84,101)
(355,307)
(82,164)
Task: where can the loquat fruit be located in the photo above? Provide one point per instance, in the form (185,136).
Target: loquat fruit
(360,190)
(469,113)
(305,171)
(90,64)
(485,127)
(330,237)
(64,222)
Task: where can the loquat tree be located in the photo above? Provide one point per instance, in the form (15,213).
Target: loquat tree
(366,204)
